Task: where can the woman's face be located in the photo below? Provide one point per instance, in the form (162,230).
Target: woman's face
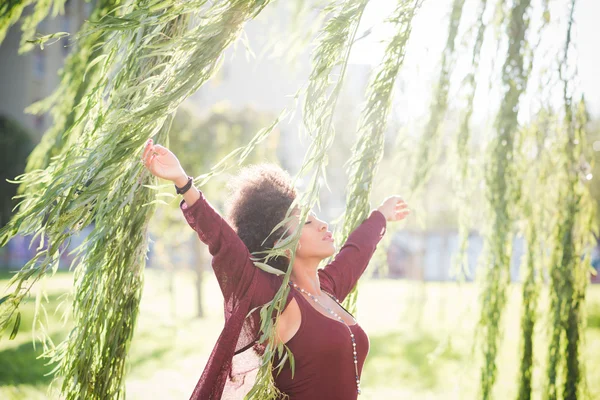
(316,241)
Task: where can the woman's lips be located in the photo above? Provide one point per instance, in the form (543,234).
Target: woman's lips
(328,237)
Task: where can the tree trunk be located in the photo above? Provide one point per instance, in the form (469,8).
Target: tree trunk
(198,266)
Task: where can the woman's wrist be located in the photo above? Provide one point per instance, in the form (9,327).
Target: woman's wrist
(181,181)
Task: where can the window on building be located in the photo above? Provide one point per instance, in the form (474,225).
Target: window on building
(39,63)
(64,41)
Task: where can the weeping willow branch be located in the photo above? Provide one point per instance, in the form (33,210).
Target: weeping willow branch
(78,76)
(536,172)
(533,174)
(41,10)
(368,148)
(569,272)
(11,11)
(500,197)
(460,264)
(576,384)
(152,62)
(332,52)
(429,144)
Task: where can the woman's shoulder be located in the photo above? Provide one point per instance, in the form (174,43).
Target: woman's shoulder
(267,286)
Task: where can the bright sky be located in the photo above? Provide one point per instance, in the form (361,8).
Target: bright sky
(429,35)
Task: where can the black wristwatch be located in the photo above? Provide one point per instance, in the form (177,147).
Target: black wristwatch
(186,187)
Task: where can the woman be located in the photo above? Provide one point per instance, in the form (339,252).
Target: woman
(329,347)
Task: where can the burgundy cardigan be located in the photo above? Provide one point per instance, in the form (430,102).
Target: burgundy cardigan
(245,287)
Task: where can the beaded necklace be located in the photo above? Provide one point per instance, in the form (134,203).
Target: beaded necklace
(330,311)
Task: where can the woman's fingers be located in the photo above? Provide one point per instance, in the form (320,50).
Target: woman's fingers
(150,163)
(160,149)
(148,156)
(400,205)
(402,212)
(147,148)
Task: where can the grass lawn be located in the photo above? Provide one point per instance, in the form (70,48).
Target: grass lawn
(421,336)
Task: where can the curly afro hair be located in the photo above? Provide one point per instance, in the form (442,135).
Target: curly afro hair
(260,196)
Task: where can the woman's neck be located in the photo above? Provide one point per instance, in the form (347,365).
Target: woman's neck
(304,274)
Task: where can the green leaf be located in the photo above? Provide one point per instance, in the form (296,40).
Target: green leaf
(2,300)
(94,62)
(292,361)
(282,362)
(269,269)
(15,329)
(41,40)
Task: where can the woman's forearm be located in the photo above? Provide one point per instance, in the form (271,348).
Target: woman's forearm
(192,195)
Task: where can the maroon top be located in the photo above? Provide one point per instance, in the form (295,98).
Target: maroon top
(246,287)
(324,357)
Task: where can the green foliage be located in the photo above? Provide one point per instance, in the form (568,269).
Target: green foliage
(534,165)
(30,22)
(78,77)
(501,195)
(533,173)
(10,13)
(569,271)
(368,148)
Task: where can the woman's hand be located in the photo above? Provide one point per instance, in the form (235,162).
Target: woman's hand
(394,208)
(162,163)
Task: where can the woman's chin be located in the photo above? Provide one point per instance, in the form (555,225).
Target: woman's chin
(331,250)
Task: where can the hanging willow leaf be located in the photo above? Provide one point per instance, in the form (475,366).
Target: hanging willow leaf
(5,298)
(15,329)
(43,40)
(500,195)
(268,268)
(332,52)
(368,148)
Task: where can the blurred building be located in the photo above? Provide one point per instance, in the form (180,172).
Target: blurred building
(27,78)
(429,256)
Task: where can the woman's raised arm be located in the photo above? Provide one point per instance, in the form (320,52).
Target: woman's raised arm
(342,274)
(231,258)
